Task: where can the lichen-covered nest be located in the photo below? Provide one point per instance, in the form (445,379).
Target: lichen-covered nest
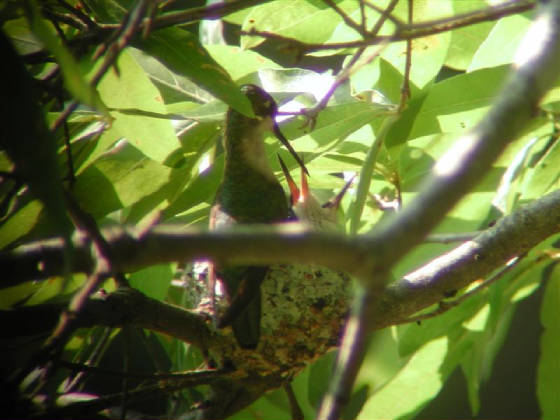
(303,311)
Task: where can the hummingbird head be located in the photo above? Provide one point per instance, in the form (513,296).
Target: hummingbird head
(265,110)
(263,104)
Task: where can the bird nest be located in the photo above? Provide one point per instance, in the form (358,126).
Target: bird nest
(303,311)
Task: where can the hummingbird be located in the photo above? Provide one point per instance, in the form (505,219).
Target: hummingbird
(307,208)
(249,193)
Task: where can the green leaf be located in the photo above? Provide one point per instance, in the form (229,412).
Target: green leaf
(109,11)
(504,37)
(418,382)
(132,88)
(239,62)
(450,106)
(181,52)
(333,125)
(153,281)
(548,374)
(201,189)
(28,142)
(465,41)
(118,179)
(74,81)
(414,336)
(429,52)
(306,21)
(173,87)
(366,76)
(24,41)
(319,376)
(544,177)
(21,223)
(366,172)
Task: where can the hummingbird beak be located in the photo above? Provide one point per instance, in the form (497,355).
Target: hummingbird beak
(304,185)
(294,190)
(285,142)
(335,201)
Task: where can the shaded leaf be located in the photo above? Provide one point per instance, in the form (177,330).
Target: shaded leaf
(182,53)
(548,375)
(121,178)
(28,142)
(153,281)
(74,81)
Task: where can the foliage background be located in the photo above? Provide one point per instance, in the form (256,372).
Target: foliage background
(166,95)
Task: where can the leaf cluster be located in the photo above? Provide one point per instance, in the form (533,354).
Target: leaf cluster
(113,117)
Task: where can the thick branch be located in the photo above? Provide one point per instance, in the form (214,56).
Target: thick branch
(121,308)
(473,154)
(510,236)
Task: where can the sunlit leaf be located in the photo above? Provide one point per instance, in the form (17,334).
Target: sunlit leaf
(182,53)
(306,21)
(132,88)
(418,382)
(465,41)
(121,177)
(505,36)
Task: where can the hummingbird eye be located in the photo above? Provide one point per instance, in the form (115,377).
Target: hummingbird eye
(263,103)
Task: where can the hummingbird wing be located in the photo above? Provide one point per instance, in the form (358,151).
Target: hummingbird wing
(244,311)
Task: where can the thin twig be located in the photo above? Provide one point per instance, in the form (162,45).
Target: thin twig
(67,324)
(349,22)
(385,14)
(381,11)
(349,69)
(103,32)
(444,306)
(126,364)
(295,409)
(68,149)
(419,30)
(127,32)
(90,24)
(70,20)
(405,87)
(363,16)
(95,355)
(352,67)
(213,11)
(81,408)
(447,238)
(156,376)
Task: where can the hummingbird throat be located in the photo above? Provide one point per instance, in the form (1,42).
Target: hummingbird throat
(254,154)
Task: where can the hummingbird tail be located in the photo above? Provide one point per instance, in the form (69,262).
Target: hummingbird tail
(247,326)
(244,311)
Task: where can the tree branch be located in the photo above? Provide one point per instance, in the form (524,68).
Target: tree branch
(124,307)
(510,236)
(472,155)
(408,32)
